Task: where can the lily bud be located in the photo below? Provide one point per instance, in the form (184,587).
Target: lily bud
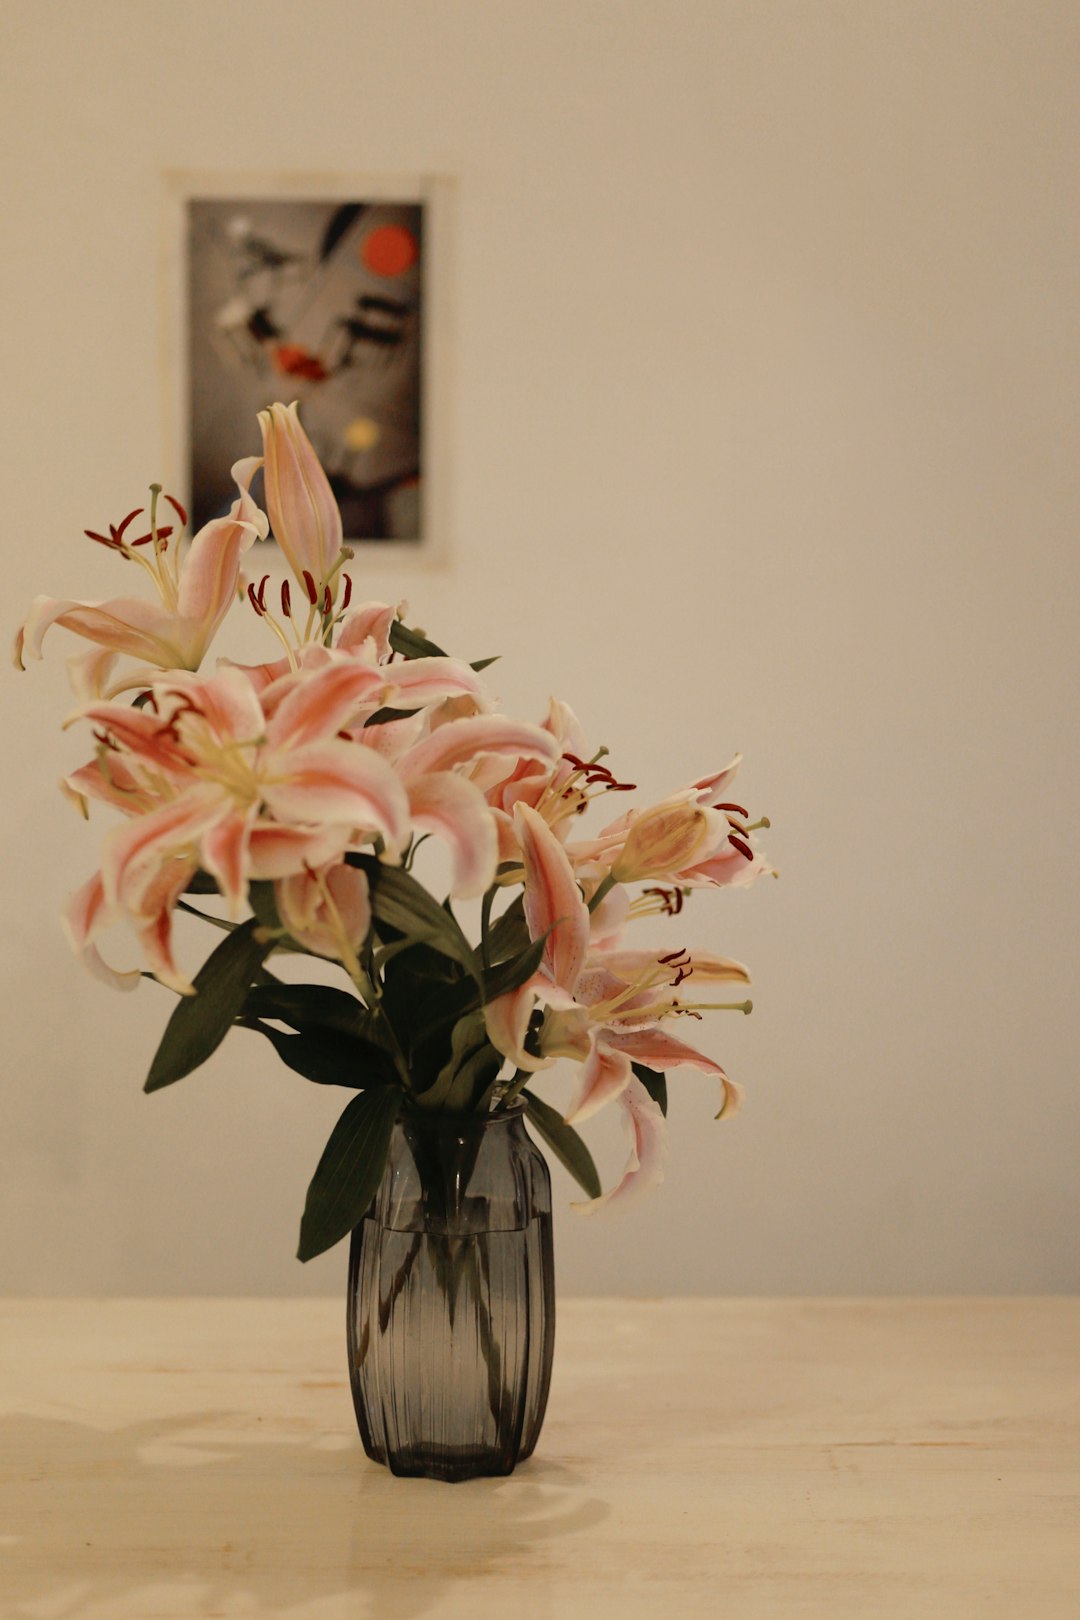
(327,912)
(665,839)
(303,512)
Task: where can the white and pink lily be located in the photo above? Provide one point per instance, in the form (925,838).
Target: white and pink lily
(600,1009)
(242,795)
(194,595)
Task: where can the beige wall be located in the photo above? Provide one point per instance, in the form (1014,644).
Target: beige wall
(764,398)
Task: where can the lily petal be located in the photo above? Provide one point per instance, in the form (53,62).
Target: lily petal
(660,1051)
(728,868)
(604,1074)
(156,935)
(371,621)
(133,853)
(648,1152)
(332,930)
(125,624)
(337,782)
(211,568)
(321,703)
(278,852)
(712,789)
(456,811)
(224,854)
(461,741)
(421,681)
(507,1020)
(86,914)
(226,701)
(633,966)
(552,898)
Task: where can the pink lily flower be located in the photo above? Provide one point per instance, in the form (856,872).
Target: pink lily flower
(242,795)
(444,800)
(174,632)
(600,1008)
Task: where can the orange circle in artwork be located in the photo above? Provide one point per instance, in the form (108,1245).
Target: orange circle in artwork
(390,250)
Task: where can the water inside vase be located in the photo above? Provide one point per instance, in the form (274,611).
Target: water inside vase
(450,1346)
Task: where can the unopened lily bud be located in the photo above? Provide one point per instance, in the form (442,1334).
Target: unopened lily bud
(303,512)
(663,840)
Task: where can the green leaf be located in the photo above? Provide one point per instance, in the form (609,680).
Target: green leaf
(510,933)
(347,1176)
(202,883)
(263,903)
(411,644)
(307,1006)
(404,905)
(508,975)
(204,916)
(469,1071)
(328,1057)
(655,1084)
(200,1022)
(564,1142)
(382,717)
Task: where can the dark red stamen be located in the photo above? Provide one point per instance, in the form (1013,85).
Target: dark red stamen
(594,773)
(109,540)
(286,599)
(687,1012)
(309,585)
(254,600)
(118,532)
(673,956)
(738,809)
(145,539)
(741,845)
(681,973)
(670,899)
(346,596)
(177,508)
(327,602)
(261,592)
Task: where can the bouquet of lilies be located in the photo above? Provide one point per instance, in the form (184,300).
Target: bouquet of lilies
(300,790)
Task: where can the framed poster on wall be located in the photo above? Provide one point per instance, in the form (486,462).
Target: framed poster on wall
(329,292)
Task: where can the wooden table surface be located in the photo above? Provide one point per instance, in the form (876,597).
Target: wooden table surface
(701,1458)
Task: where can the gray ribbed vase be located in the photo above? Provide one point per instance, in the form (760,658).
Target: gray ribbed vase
(451,1307)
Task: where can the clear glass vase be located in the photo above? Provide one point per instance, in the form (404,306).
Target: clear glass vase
(451,1307)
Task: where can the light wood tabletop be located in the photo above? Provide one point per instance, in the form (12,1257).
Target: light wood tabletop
(746,1459)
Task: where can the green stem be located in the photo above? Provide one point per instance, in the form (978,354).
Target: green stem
(371,993)
(517,1084)
(485,925)
(603,888)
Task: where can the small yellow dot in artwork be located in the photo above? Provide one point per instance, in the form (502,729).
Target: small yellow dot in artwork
(362,433)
